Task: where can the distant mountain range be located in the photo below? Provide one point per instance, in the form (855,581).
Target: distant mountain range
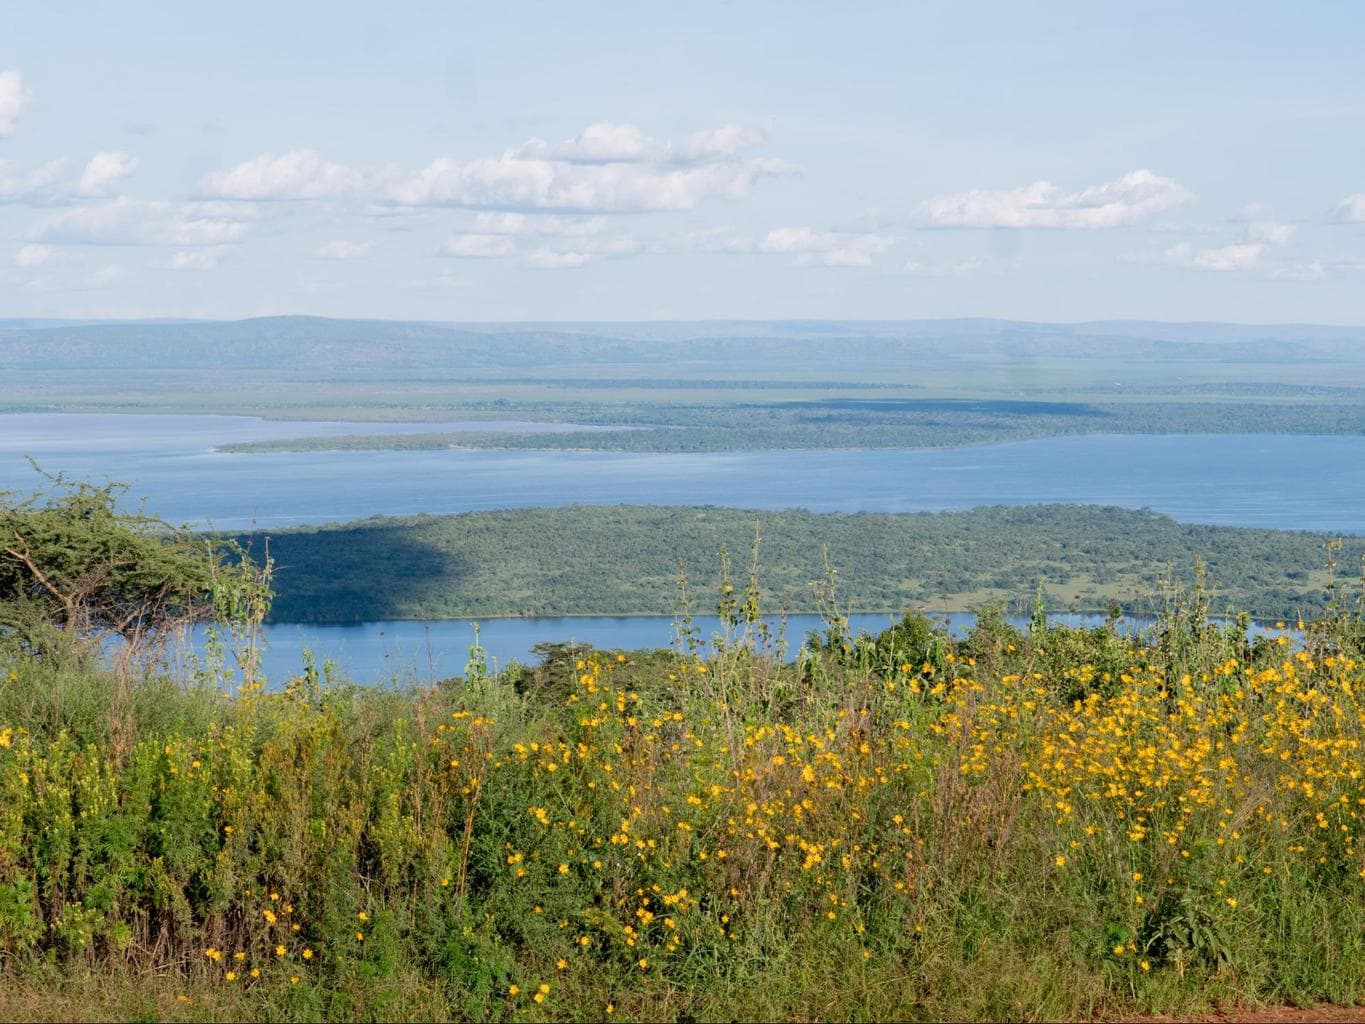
(350,346)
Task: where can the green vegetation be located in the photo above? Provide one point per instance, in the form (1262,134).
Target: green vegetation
(1056,824)
(625,559)
(75,572)
(1047,823)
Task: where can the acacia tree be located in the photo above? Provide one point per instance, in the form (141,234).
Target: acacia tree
(76,571)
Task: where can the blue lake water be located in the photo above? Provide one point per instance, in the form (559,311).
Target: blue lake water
(416,652)
(1285,482)
(404,652)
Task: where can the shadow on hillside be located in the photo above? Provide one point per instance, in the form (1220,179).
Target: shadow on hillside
(358,573)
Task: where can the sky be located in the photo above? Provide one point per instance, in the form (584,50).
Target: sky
(644,161)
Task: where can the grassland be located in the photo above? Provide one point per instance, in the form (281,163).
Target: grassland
(617,560)
(1052,824)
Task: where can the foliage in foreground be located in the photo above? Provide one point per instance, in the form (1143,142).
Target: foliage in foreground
(1057,823)
(77,571)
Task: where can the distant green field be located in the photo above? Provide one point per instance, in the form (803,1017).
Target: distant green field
(625,560)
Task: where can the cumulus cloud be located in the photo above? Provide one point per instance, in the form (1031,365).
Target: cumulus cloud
(720,143)
(1270,231)
(13,98)
(1313,270)
(607,168)
(1350,210)
(34,184)
(1127,200)
(32,256)
(607,142)
(548,259)
(559,253)
(103,170)
(341,249)
(125,221)
(56,182)
(1238,256)
(603,142)
(477,246)
(830,248)
(1257,236)
(298,174)
(198,259)
(515,182)
(1318,269)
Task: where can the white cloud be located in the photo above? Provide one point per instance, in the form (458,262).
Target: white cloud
(1314,270)
(341,249)
(600,143)
(719,143)
(944,269)
(30,256)
(126,221)
(13,98)
(1257,236)
(198,259)
(477,246)
(607,142)
(104,169)
(35,184)
(607,168)
(1270,231)
(298,174)
(1350,210)
(546,259)
(831,248)
(1118,203)
(515,182)
(1318,269)
(1238,256)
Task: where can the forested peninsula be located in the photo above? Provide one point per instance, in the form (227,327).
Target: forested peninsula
(623,560)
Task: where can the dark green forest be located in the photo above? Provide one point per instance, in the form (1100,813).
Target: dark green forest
(625,560)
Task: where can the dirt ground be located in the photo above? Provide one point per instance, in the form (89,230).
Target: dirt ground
(1275,1015)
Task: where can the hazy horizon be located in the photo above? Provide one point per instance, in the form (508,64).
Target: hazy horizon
(629,321)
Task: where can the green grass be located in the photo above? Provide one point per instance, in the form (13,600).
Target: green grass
(902,827)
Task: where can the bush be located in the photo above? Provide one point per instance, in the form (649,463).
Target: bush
(654,833)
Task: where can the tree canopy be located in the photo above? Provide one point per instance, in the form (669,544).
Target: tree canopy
(76,570)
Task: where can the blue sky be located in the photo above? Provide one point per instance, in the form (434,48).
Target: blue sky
(525,161)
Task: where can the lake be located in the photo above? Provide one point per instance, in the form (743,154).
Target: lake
(417,652)
(1285,482)
(407,652)
(1310,483)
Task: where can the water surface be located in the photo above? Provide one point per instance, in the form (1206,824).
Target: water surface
(1286,482)
(418,652)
